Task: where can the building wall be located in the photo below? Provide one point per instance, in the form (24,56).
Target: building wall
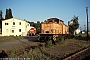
(19,29)
(0,31)
(27,28)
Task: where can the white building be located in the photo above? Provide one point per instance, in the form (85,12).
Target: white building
(15,27)
(77,31)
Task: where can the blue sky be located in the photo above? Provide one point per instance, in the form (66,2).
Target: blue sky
(40,10)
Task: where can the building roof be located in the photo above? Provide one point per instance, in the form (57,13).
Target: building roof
(15,18)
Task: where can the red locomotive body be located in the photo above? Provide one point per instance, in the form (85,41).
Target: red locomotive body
(32,31)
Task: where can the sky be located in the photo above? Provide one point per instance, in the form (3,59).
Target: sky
(41,10)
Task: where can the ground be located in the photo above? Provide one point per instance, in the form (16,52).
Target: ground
(29,47)
(68,47)
(7,43)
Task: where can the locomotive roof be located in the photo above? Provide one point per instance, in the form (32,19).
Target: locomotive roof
(55,19)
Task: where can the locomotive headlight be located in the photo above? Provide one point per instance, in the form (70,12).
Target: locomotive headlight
(56,35)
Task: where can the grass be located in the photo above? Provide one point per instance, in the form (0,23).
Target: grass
(83,45)
(49,43)
(62,41)
(72,44)
(39,53)
(33,54)
(82,37)
(10,38)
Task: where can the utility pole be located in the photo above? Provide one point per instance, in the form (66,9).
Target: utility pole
(87,21)
(85,28)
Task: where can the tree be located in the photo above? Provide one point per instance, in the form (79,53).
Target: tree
(38,27)
(1,15)
(73,25)
(1,18)
(45,20)
(32,24)
(8,14)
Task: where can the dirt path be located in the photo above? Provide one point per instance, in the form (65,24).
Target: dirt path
(18,43)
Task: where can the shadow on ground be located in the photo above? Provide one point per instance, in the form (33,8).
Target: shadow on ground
(32,38)
(82,37)
(3,54)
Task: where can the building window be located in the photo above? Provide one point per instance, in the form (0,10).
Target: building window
(19,23)
(7,30)
(28,24)
(12,31)
(13,23)
(19,30)
(6,23)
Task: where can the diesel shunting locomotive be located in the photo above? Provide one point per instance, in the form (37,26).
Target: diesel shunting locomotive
(53,29)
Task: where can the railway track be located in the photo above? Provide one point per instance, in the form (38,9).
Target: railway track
(79,55)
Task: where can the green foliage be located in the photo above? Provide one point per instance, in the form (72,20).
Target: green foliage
(43,57)
(31,24)
(36,25)
(1,15)
(82,45)
(49,43)
(73,26)
(62,40)
(1,18)
(45,20)
(12,55)
(8,14)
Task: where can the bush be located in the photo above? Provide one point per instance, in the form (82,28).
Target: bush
(49,43)
(62,40)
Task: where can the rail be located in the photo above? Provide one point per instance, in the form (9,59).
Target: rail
(80,55)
